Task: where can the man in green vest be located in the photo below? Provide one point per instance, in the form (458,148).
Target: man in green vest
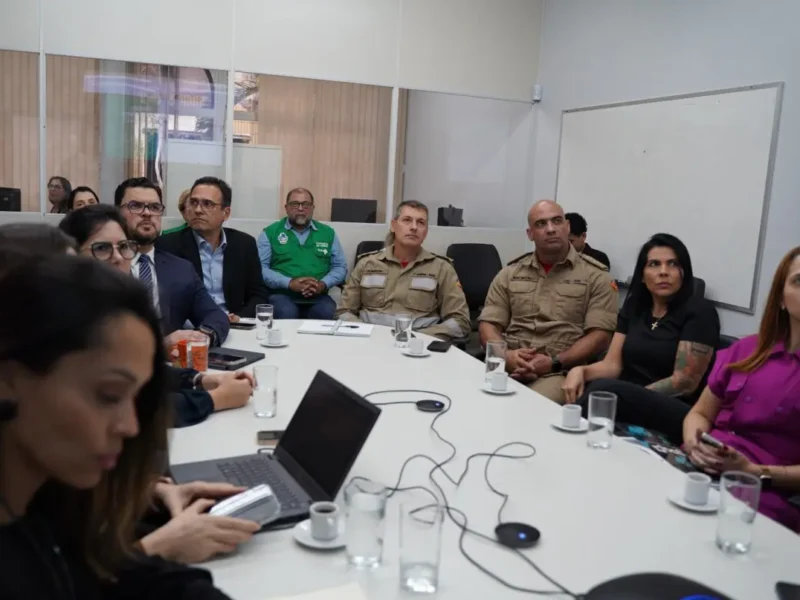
(301,259)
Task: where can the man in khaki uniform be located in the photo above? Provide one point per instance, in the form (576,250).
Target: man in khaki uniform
(406,278)
(556,308)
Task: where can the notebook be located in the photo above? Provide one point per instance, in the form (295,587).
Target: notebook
(343,328)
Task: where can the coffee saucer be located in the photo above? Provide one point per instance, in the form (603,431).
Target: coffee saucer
(266,344)
(422,354)
(302,535)
(506,392)
(582,428)
(676,497)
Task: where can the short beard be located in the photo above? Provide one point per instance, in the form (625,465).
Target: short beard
(296,221)
(143,240)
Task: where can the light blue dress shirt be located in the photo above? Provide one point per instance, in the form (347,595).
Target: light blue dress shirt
(211,263)
(275,280)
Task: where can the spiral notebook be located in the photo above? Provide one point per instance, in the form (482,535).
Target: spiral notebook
(343,328)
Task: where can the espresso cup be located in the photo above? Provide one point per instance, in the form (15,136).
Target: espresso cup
(274,336)
(416,345)
(696,490)
(571,416)
(499,381)
(325,518)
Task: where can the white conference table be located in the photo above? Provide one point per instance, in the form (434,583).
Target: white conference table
(601,513)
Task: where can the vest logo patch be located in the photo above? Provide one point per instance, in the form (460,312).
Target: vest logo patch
(283,238)
(322,248)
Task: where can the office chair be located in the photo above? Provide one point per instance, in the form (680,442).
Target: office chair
(699,288)
(367,246)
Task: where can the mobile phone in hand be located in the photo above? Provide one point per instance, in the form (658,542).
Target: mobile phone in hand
(711,441)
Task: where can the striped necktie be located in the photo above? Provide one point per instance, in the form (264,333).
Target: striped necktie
(146,273)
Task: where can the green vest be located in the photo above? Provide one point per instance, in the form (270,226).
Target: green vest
(174,229)
(293,259)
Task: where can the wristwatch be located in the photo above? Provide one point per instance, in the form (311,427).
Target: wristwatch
(212,337)
(765,477)
(557,366)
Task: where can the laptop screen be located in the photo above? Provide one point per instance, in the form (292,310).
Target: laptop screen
(327,432)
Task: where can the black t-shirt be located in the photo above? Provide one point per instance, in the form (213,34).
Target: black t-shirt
(648,354)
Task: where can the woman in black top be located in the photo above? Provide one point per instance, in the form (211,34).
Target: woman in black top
(78,446)
(663,345)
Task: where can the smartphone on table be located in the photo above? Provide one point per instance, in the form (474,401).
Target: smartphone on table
(220,360)
(268,438)
(245,326)
(439,346)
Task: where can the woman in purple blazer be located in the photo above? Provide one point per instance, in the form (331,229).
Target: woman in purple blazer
(752,402)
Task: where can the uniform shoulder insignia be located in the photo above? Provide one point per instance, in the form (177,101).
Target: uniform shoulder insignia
(594,262)
(365,254)
(443,257)
(518,259)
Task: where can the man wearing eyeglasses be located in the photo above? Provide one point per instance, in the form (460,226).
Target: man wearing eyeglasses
(224,258)
(177,292)
(301,259)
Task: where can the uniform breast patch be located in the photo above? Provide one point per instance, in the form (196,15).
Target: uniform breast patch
(373,280)
(423,283)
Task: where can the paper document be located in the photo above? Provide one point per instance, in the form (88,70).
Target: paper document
(351,591)
(344,328)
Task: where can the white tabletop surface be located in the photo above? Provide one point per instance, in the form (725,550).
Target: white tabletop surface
(601,513)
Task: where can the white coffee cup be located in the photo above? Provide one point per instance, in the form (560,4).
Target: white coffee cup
(274,336)
(325,518)
(416,345)
(499,381)
(571,416)
(697,487)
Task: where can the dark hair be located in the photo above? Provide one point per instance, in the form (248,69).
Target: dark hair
(78,190)
(299,191)
(50,308)
(64,183)
(135,182)
(577,224)
(410,204)
(33,239)
(639,299)
(224,188)
(82,224)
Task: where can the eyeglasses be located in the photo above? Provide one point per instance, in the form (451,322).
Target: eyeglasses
(204,204)
(303,205)
(105,250)
(55,186)
(136,208)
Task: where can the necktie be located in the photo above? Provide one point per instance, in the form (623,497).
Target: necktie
(146,273)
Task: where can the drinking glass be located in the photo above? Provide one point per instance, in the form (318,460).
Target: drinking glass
(402,329)
(420,545)
(264,314)
(495,359)
(265,391)
(365,503)
(738,504)
(198,353)
(602,412)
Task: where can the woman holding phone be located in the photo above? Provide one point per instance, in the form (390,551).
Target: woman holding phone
(751,406)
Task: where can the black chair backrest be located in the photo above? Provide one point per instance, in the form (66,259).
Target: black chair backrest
(367,246)
(699,290)
(476,266)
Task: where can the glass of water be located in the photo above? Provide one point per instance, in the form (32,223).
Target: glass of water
(365,503)
(602,412)
(420,545)
(402,329)
(738,504)
(495,359)
(265,391)
(264,314)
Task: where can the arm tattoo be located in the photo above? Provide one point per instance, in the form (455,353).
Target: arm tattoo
(691,363)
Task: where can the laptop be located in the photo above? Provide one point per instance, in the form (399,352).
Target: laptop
(312,459)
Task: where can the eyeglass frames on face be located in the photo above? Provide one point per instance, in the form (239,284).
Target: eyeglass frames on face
(135,207)
(298,205)
(55,186)
(204,204)
(105,250)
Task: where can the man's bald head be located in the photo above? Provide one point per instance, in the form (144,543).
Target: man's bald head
(548,229)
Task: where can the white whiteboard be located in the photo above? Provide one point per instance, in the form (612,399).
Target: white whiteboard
(698,167)
(256,177)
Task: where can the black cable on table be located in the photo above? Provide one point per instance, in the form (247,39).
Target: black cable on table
(451,511)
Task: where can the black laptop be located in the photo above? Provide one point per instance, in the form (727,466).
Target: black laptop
(313,457)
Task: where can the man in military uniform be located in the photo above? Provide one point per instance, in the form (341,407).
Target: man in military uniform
(556,308)
(406,278)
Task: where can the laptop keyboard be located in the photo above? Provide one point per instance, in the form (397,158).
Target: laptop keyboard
(255,471)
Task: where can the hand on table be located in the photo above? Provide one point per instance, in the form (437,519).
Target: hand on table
(233,318)
(177,497)
(213,380)
(574,385)
(231,391)
(194,536)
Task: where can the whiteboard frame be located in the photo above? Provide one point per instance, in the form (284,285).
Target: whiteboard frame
(773,150)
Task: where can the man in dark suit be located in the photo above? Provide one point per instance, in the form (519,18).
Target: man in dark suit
(225,259)
(177,292)
(577,236)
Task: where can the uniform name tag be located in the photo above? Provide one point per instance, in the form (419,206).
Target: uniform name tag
(374,280)
(423,283)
